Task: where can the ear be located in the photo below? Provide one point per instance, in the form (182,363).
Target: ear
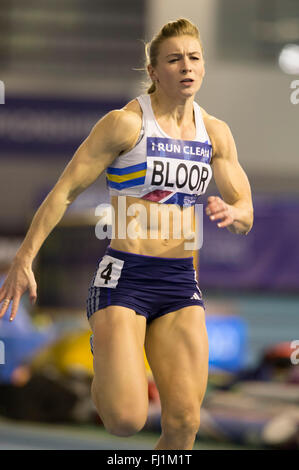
(152,73)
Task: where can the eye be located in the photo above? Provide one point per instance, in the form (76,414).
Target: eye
(195,58)
(172,60)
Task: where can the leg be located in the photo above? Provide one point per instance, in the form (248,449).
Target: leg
(177,351)
(119,388)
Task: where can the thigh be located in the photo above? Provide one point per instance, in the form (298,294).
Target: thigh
(118,356)
(178,354)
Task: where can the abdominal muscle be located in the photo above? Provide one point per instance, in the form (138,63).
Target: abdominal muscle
(152,229)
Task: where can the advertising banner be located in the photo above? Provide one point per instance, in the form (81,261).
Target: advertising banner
(266,258)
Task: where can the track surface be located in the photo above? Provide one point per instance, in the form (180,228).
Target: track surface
(31,436)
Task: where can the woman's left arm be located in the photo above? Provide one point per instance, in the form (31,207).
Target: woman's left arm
(235,209)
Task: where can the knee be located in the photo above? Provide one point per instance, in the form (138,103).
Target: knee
(124,424)
(121,420)
(183,424)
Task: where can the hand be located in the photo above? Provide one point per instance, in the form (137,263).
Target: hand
(19,278)
(217,209)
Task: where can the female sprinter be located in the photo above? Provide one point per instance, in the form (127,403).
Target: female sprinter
(159,150)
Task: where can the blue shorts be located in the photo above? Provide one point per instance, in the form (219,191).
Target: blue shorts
(150,286)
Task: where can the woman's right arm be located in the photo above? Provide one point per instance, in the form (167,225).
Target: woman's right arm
(114,133)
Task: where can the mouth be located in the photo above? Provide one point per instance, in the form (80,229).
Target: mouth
(187,80)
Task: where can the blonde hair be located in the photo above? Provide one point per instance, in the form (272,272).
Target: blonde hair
(179,27)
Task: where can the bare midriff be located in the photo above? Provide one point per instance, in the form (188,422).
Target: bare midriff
(148,228)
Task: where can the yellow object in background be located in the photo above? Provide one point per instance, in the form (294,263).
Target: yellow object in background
(71,353)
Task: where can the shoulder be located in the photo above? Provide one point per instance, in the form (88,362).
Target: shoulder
(120,126)
(219,133)
(129,117)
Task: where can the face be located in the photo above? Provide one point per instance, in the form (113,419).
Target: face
(180,66)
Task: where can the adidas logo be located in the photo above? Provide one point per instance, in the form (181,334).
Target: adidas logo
(195,296)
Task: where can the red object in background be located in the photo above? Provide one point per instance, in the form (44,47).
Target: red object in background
(279,350)
(153,393)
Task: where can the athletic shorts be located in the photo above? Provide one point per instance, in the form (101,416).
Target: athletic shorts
(150,286)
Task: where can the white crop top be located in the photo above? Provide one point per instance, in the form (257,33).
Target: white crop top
(160,168)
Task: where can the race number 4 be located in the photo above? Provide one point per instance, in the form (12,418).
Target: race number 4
(108,272)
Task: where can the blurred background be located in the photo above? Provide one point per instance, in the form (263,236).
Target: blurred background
(64,64)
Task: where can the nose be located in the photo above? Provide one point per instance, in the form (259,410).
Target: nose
(186,65)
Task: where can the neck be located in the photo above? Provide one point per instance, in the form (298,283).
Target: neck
(178,110)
